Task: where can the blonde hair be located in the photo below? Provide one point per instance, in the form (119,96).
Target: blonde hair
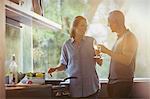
(75,24)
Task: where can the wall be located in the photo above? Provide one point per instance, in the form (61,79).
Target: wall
(141,89)
(2,48)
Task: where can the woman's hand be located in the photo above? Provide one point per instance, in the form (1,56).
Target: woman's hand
(51,70)
(59,67)
(97,52)
(99,61)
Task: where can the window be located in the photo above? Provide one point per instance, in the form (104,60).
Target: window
(18,42)
(46,50)
(137,20)
(47,43)
(37,49)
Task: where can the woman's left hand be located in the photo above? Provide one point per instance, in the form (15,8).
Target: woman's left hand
(99,61)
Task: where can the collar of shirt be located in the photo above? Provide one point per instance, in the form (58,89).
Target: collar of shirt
(124,33)
(73,40)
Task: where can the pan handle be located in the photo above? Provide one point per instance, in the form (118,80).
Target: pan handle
(69,78)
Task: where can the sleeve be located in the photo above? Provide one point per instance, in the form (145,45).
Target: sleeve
(64,56)
(128,51)
(94,43)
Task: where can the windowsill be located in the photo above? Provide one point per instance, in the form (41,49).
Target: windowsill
(104,80)
(141,79)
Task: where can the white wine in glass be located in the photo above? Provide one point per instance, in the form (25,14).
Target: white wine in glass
(97,49)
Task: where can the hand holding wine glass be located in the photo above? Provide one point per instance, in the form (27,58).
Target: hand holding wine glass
(97,49)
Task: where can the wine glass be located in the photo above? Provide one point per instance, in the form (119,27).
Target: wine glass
(97,49)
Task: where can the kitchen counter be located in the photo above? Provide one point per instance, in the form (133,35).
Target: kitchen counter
(28,91)
(141,89)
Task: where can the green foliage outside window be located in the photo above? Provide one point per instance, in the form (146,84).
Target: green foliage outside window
(47,43)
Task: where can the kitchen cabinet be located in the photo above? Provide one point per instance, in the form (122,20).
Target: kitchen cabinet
(16,14)
(28,92)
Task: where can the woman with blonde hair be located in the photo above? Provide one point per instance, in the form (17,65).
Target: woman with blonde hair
(77,59)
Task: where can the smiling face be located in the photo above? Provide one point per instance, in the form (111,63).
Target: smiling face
(81,28)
